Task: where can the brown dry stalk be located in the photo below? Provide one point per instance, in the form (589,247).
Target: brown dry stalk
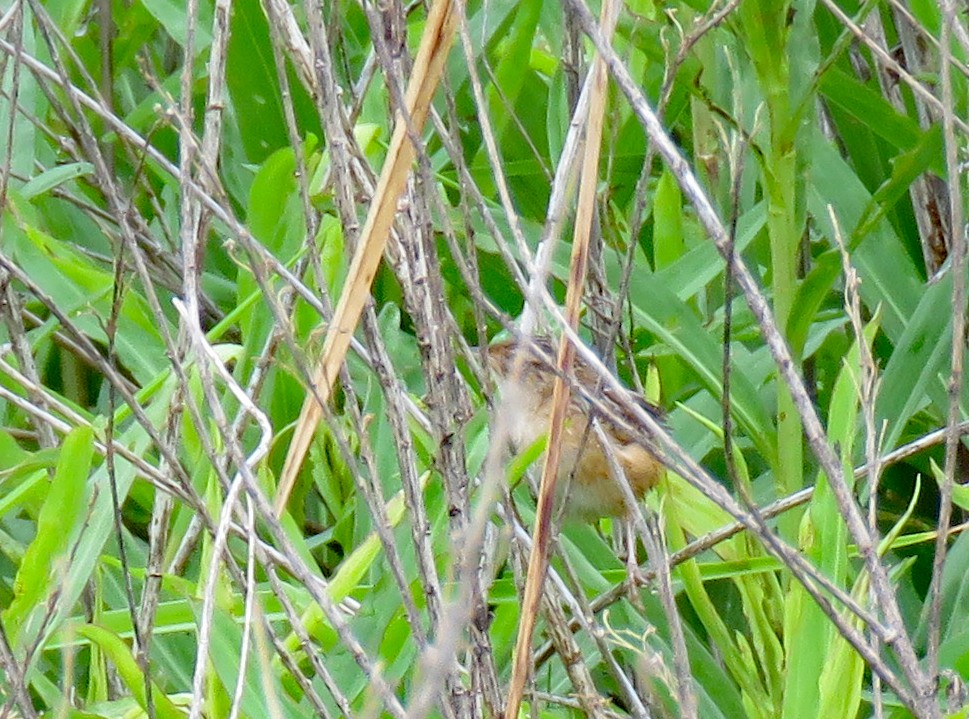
(538,559)
(428,68)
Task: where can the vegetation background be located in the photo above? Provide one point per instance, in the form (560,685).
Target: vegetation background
(780,194)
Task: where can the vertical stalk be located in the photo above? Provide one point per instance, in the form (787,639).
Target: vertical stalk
(784,232)
(766,30)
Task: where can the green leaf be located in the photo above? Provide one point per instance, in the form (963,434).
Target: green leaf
(731,646)
(253,84)
(511,72)
(49,179)
(129,671)
(350,574)
(920,357)
(811,640)
(889,278)
(98,514)
(811,293)
(173,18)
(333,257)
(259,680)
(870,108)
(66,14)
(702,264)
(59,519)
(906,168)
(676,326)
(274,202)
(276,220)
(668,243)
(842,678)
(82,291)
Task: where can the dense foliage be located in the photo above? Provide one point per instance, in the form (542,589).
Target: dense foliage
(182,191)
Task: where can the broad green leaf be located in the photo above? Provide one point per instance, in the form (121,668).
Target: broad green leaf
(70,713)
(276,220)
(889,279)
(811,641)
(63,511)
(348,577)
(906,168)
(273,202)
(252,82)
(811,293)
(66,14)
(677,326)
(49,179)
(870,108)
(98,515)
(82,291)
(729,645)
(333,257)
(668,243)
(130,672)
(954,645)
(173,19)
(513,53)
(702,264)
(261,689)
(556,124)
(920,357)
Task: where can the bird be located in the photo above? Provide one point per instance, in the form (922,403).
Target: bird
(587,488)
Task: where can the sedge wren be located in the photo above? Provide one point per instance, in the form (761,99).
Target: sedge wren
(587,488)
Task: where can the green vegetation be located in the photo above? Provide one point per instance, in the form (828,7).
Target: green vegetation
(182,191)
